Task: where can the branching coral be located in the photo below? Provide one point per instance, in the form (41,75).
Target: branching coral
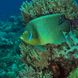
(37,8)
(29,72)
(35,57)
(67,49)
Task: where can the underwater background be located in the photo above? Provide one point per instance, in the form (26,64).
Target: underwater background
(23,52)
(9,8)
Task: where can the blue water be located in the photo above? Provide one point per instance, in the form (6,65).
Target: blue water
(9,8)
(77,1)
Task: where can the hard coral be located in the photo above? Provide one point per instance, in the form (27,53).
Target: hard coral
(34,57)
(37,59)
(36,8)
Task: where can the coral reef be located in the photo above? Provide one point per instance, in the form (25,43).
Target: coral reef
(11,65)
(56,60)
(36,8)
(10,62)
(29,72)
(34,57)
(19,59)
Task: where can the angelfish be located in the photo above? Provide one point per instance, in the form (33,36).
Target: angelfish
(46,29)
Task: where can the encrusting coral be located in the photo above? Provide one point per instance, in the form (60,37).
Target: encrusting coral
(36,8)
